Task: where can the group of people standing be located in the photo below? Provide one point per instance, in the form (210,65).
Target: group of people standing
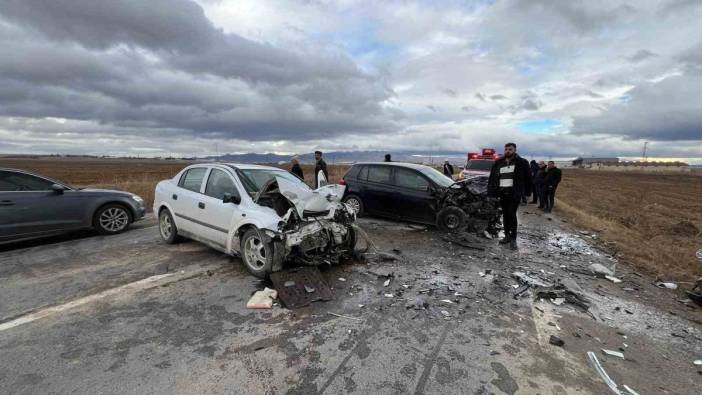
(319,166)
(545,179)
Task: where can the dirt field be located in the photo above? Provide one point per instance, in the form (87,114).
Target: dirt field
(653,221)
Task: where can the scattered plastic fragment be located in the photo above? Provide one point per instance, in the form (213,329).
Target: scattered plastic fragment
(445,313)
(289,284)
(447,301)
(613,279)
(698,362)
(389,295)
(386,283)
(342,279)
(601,270)
(613,353)
(345,316)
(605,377)
(309,289)
(667,285)
(558,301)
(556,341)
(262,299)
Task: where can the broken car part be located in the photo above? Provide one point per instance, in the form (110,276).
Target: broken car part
(605,377)
(308,286)
(262,299)
(465,206)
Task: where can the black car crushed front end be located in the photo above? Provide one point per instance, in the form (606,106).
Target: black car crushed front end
(465,206)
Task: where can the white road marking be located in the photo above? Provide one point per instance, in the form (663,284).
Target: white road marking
(146,283)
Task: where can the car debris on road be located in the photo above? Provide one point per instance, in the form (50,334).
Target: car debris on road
(262,299)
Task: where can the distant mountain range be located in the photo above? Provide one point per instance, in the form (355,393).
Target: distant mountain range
(345,157)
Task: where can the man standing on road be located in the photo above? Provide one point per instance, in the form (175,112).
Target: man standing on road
(509,181)
(539,184)
(534,169)
(388,158)
(448,169)
(320,165)
(553,178)
(296,168)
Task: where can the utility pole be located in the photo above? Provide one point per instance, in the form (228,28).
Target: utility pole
(644,150)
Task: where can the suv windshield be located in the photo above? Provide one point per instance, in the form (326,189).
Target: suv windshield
(254,179)
(479,164)
(437,177)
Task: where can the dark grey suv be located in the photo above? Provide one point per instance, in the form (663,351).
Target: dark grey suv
(34,206)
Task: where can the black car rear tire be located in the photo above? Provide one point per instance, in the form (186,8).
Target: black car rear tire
(167,227)
(112,219)
(356,204)
(451,220)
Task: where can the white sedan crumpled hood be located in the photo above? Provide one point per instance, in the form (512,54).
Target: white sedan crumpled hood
(305,199)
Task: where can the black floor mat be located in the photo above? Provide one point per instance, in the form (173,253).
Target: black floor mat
(300,281)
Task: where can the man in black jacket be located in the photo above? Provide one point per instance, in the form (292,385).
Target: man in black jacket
(297,169)
(553,178)
(534,170)
(320,165)
(448,169)
(510,179)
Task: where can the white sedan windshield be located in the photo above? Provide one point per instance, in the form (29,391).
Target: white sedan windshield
(255,179)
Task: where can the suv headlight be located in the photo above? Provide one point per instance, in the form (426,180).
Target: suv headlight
(138,199)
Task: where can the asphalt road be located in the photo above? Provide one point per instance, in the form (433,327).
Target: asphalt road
(86,321)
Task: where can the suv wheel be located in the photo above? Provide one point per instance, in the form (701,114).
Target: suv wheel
(451,220)
(355,203)
(112,219)
(257,254)
(167,227)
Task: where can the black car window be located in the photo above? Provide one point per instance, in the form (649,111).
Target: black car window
(353,172)
(379,174)
(363,174)
(219,183)
(407,178)
(192,179)
(13,182)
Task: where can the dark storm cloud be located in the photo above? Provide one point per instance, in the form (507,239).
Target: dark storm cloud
(582,16)
(670,110)
(641,55)
(673,7)
(162,64)
(450,92)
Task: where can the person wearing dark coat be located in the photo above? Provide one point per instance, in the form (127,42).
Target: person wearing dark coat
(510,179)
(534,169)
(539,183)
(388,158)
(320,165)
(551,181)
(448,169)
(297,169)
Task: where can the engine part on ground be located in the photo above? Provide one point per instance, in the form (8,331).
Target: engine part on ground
(308,286)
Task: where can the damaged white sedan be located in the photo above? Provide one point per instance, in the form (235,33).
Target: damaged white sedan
(263,214)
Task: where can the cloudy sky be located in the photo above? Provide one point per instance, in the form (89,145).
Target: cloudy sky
(160,77)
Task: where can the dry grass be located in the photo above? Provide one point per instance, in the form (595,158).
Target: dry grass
(653,221)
